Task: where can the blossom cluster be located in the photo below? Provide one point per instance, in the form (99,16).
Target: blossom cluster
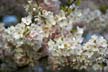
(94,19)
(60,38)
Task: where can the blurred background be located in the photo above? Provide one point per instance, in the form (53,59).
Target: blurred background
(16,7)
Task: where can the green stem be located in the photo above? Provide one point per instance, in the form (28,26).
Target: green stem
(102,69)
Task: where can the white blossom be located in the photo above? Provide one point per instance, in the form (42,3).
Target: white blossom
(27,20)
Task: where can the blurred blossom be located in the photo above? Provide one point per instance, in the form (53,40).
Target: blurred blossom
(27,20)
(57,38)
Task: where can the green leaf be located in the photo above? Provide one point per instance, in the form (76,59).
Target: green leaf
(69,2)
(26,32)
(78,2)
(74,30)
(64,8)
(103,8)
(69,10)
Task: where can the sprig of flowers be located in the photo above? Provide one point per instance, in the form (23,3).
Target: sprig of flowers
(59,38)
